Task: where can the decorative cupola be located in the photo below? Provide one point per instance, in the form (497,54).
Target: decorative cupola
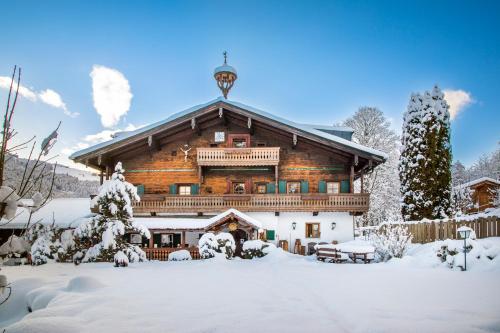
(225,76)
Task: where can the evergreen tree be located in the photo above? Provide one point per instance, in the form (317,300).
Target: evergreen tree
(425,162)
(458,174)
(104,236)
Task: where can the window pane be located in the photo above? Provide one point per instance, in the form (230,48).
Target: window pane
(239,188)
(185,190)
(261,188)
(293,187)
(332,187)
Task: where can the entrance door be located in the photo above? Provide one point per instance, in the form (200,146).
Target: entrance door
(240,236)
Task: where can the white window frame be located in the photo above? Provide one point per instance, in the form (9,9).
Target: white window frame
(335,186)
(183,191)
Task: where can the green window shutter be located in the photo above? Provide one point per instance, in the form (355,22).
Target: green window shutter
(322,186)
(195,189)
(173,189)
(282,186)
(304,186)
(270,234)
(140,189)
(345,186)
(271,188)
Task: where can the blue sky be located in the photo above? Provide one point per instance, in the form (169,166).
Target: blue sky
(309,61)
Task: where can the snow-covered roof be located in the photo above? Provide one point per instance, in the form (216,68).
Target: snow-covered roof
(225,68)
(315,130)
(179,223)
(65,212)
(478,181)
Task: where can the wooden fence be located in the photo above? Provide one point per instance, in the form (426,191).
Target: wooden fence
(425,232)
(162,253)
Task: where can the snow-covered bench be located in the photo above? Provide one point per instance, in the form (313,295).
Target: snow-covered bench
(354,250)
(330,254)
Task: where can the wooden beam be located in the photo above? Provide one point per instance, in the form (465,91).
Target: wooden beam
(351,179)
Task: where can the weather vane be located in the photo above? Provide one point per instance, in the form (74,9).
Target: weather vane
(225,76)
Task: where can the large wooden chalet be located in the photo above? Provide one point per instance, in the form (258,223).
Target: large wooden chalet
(226,166)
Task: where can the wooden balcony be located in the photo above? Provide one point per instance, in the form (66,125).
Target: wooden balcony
(238,156)
(313,202)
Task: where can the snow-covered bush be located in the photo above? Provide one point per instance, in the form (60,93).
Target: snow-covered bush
(451,252)
(51,244)
(14,247)
(101,237)
(209,245)
(256,248)
(391,241)
(120,259)
(180,255)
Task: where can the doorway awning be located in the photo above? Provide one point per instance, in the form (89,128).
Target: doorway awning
(234,214)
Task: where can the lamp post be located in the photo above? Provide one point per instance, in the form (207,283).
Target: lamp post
(333,225)
(464,233)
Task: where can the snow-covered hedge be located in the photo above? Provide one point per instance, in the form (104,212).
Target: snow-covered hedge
(209,245)
(256,248)
(391,241)
(51,244)
(180,255)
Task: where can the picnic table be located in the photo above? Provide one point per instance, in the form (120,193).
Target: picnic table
(353,250)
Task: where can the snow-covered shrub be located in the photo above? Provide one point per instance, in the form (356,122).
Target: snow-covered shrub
(391,241)
(451,252)
(256,248)
(14,247)
(51,244)
(104,235)
(209,245)
(120,259)
(180,255)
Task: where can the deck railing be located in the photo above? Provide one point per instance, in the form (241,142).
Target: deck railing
(344,202)
(238,156)
(161,254)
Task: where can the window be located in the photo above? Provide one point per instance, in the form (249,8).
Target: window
(261,188)
(239,140)
(184,189)
(333,187)
(239,143)
(293,187)
(239,188)
(219,137)
(312,230)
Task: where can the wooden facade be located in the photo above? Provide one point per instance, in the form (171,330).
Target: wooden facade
(224,156)
(483,194)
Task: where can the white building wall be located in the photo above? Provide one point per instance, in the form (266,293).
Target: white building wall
(282,224)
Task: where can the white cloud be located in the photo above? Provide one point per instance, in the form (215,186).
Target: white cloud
(47,96)
(23,91)
(111,94)
(52,98)
(458,100)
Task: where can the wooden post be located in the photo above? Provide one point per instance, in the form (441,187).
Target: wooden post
(151,242)
(183,240)
(101,177)
(108,170)
(362,185)
(276,179)
(351,179)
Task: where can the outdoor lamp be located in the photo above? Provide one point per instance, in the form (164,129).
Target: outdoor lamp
(294,225)
(464,233)
(334,225)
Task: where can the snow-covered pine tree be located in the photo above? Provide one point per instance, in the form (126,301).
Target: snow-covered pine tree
(461,200)
(373,129)
(425,162)
(103,236)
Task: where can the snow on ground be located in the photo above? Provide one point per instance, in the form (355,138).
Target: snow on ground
(278,293)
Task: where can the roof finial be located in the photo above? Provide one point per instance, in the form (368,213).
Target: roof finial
(225,76)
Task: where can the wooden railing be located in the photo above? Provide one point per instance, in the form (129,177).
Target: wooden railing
(162,253)
(348,202)
(238,156)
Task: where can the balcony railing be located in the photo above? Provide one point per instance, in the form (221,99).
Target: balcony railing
(348,202)
(238,156)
